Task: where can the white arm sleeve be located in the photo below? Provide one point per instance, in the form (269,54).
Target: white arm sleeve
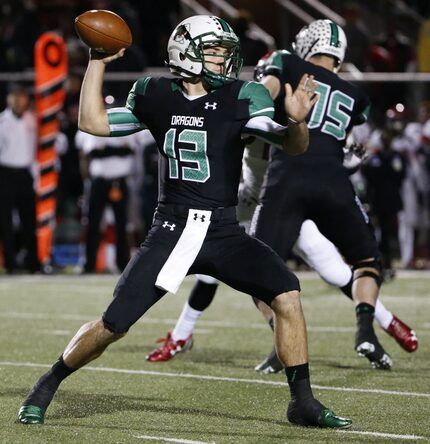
(123,122)
(265,129)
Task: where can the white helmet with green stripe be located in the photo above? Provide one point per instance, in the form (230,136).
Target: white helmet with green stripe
(188,41)
(321,37)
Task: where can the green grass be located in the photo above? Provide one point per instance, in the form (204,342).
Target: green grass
(102,405)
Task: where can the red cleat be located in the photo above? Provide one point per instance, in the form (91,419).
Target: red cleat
(170,348)
(403,334)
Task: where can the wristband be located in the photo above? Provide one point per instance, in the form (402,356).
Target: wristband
(296,122)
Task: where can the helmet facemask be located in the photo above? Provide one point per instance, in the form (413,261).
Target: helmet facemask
(231,65)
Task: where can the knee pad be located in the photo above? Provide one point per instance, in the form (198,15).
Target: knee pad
(375,274)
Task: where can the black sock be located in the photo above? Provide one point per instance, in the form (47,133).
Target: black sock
(202,295)
(44,390)
(299,382)
(303,408)
(364,314)
(347,289)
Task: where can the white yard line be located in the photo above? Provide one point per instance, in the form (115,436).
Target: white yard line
(219,378)
(384,435)
(178,440)
(202,323)
(56,332)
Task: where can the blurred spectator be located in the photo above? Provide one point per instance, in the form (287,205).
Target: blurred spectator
(424,161)
(18,142)
(400,48)
(391,52)
(252,48)
(357,36)
(106,162)
(143,187)
(384,172)
(70,186)
(394,130)
(149,189)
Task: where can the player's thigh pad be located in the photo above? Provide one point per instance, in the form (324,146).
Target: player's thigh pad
(135,291)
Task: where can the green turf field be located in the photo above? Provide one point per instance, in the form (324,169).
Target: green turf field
(212,394)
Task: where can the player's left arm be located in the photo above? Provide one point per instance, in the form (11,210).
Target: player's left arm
(293,139)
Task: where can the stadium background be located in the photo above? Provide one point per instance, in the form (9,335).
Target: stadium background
(388,63)
(388,47)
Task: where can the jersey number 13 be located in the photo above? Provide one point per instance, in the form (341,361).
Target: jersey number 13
(195,155)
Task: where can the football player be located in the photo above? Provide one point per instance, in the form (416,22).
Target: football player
(316,186)
(315,249)
(200,122)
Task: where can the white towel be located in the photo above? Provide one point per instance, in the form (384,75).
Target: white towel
(185,251)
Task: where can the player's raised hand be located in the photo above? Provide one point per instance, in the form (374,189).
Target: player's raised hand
(300,102)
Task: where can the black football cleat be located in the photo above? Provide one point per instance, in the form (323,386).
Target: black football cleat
(371,349)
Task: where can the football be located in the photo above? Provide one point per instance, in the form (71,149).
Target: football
(103,31)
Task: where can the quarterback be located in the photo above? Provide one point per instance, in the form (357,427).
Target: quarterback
(200,122)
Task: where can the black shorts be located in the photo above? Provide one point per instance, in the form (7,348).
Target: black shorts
(228,254)
(322,193)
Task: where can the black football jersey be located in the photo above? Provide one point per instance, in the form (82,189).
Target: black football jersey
(200,140)
(341,105)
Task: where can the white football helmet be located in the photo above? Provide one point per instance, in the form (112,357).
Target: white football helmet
(186,49)
(321,37)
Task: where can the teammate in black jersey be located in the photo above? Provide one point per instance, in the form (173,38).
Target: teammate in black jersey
(316,186)
(200,122)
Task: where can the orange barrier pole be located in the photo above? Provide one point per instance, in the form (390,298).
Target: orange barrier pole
(50,63)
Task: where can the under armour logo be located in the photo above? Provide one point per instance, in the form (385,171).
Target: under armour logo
(166,224)
(202,217)
(211,105)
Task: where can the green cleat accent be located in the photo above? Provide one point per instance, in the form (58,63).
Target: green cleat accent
(328,419)
(31,414)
